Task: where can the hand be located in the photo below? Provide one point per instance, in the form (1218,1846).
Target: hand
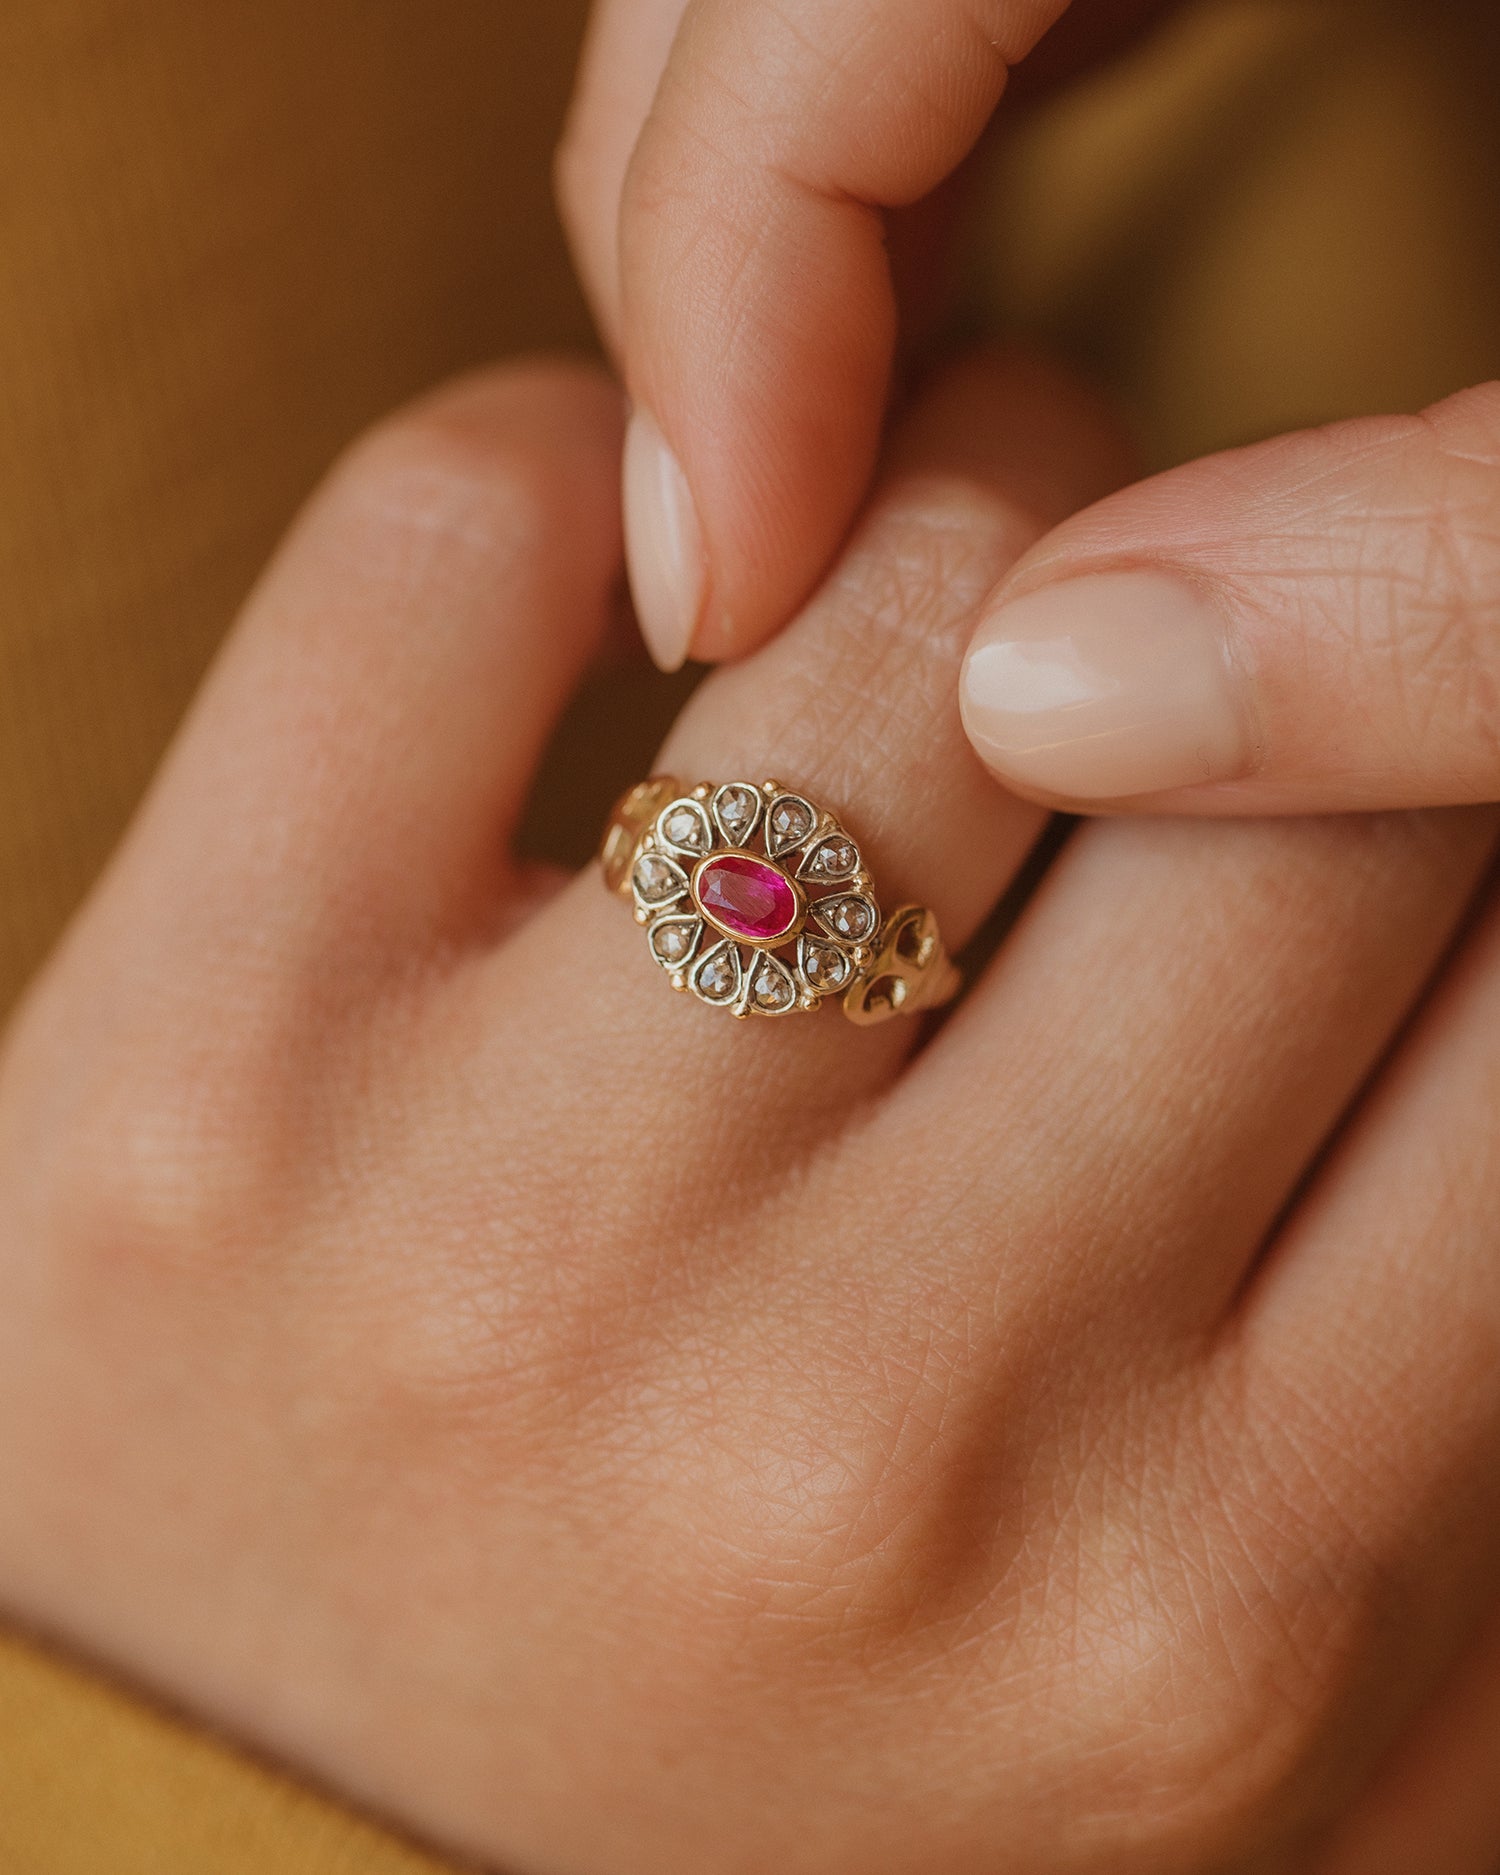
(1308,625)
(614,1439)
(729,178)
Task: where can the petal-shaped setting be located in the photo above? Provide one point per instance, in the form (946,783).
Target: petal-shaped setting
(736,810)
(849,916)
(683,827)
(658,880)
(747,898)
(773,990)
(719,975)
(673,940)
(824,968)
(789,821)
(834,857)
(756,900)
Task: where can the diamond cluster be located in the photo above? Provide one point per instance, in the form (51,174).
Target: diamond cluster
(754,899)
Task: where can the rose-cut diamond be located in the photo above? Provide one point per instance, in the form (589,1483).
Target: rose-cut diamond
(790,821)
(747,898)
(658,879)
(833,858)
(717,978)
(737,809)
(824,966)
(674,939)
(684,826)
(774,989)
(853,919)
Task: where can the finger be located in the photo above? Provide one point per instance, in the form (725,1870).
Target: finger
(859,705)
(624,54)
(367,740)
(1366,1352)
(1308,625)
(854,704)
(1166,1040)
(757,310)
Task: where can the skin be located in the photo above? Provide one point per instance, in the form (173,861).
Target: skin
(611,1439)
(786,175)
(736,177)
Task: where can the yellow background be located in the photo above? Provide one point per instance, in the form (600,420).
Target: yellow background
(230,235)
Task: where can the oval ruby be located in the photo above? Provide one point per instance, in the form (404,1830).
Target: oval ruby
(747,898)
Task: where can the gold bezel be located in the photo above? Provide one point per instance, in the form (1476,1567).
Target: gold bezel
(793,930)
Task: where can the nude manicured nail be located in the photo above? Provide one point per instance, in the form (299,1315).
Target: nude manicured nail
(1104,686)
(663,544)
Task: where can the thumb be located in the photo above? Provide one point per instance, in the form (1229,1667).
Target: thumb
(1307,625)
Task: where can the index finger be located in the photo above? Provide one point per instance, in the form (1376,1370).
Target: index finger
(756,312)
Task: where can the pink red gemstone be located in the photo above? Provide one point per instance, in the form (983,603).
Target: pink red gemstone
(747,898)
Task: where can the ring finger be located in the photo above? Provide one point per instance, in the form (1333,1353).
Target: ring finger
(1164,1044)
(853,706)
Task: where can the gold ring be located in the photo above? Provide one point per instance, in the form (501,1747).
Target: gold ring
(756,900)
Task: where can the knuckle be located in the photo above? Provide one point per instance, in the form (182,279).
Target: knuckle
(842,1515)
(435,473)
(499,1332)
(526,1321)
(1218,1704)
(895,616)
(491,465)
(1460,646)
(669,230)
(935,546)
(1393,567)
(170,1147)
(161,1182)
(697,199)
(1438,622)
(899,605)
(1213,1645)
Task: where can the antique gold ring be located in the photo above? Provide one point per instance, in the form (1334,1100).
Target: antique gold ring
(757,901)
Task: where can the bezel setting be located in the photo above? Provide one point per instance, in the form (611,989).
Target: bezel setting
(773,940)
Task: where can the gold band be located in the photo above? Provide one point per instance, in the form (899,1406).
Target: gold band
(757,901)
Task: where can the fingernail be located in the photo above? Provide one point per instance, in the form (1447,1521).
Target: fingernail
(663,544)
(1105,686)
